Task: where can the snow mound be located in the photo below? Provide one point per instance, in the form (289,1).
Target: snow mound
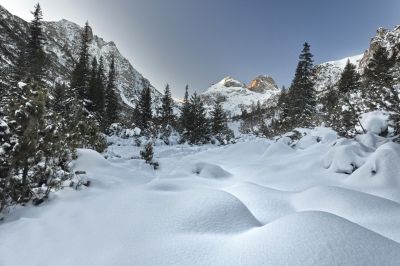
(341,202)
(376,122)
(164,186)
(382,169)
(266,204)
(213,211)
(345,156)
(310,238)
(208,170)
(279,148)
(90,159)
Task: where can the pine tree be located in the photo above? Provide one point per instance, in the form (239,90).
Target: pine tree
(219,123)
(143,107)
(60,98)
(379,91)
(81,73)
(92,86)
(35,53)
(111,101)
(19,72)
(99,97)
(378,81)
(198,128)
(167,113)
(147,155)
(349,87)
(302,102)
(218,118)
(185,112)
(26,124)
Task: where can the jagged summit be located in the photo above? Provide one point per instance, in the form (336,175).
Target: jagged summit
(262,84)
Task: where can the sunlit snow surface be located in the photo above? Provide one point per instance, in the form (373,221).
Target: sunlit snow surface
(256,202)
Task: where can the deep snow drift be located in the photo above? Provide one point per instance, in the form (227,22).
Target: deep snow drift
(317,201)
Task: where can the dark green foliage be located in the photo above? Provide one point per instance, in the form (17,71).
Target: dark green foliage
(99,96)
(378,81)
(35,54)
(81,73)
(111,100)
(219,123)
(198,127)
(147,155)
(143,108)
(167,112)
(184,118)
(299,104)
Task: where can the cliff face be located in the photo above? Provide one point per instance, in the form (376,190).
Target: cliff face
(62,41)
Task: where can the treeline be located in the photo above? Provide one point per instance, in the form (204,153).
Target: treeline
(191,121)
(339,106)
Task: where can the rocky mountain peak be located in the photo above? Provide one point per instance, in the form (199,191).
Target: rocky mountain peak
(262,84)
(231,82)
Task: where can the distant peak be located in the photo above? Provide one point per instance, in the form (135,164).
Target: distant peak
(262,83)
(231,82)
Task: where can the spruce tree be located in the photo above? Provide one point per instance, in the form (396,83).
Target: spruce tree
(167,113)
(99,97)
(219,123)
(143,107)
(198,128)
(111,101)
(378,80)
(218,118)
(35,53)
(185,112)
(147,155)
(92,86)
(26,124)
(349,89)
(81,73)
(302,102)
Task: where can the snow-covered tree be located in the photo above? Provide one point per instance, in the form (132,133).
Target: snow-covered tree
(167,112)
(143,108)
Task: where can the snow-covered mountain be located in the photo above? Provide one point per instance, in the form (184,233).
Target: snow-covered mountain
(329,73)
(235,95)
(62,41)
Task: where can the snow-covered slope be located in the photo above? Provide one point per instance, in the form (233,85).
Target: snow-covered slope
(285,204)
(62,42)
(235,95)
(328,74)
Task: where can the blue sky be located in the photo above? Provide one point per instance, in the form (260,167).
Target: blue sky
(199,42)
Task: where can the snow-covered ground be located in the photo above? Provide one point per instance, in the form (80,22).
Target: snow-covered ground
(321,201)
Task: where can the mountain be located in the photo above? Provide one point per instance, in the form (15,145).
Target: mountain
(62,41)
(329,73)
(235,95)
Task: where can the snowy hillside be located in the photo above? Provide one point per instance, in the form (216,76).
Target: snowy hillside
(236,95)
(62,48)
(318,201)
(328,74)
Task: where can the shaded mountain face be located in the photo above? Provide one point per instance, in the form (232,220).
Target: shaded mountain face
(62,42)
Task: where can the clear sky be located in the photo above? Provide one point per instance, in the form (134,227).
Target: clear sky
(198,42)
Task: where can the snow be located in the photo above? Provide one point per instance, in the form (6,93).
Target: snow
(376,121)
(355,60)
(316,201)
